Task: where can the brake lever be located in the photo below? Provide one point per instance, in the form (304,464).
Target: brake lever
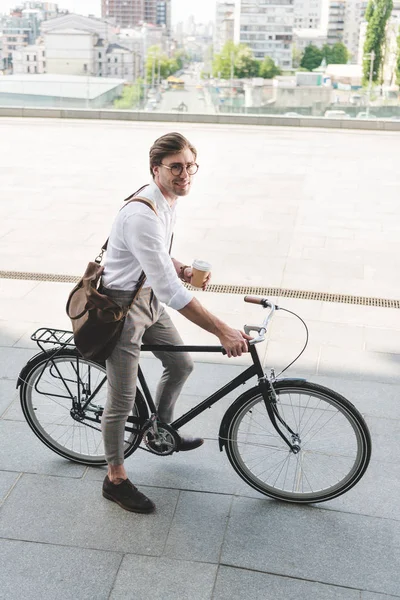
(248,328)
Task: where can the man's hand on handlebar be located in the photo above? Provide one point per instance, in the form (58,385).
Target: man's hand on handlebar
(234,341)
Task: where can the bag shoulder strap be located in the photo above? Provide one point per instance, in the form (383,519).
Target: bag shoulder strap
(142,278)
(132,198)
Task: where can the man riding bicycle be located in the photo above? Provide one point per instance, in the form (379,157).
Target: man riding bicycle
(139,241)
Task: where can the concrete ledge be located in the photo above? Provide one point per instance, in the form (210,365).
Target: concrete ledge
(220,118)
(11,111)
(78,113)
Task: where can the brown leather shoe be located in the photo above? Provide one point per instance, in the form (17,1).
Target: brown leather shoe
(127,496)
(189,443)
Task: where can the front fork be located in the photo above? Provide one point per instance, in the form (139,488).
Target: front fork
(270,401)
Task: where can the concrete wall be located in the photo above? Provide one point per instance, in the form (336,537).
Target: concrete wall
(191,118)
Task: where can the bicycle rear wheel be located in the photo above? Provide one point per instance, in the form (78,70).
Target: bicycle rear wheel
(334,440)
(63,397)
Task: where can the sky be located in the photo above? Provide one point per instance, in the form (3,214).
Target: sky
(202,10)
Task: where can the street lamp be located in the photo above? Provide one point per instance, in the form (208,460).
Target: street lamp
(371,70)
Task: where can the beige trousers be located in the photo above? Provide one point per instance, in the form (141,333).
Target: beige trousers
(147,322)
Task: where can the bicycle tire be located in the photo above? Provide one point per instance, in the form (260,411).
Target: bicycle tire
(335,443)
(48,384)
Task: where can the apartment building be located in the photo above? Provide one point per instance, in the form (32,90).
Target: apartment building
(70,42)
(267,27)
(224,24)
(130,13)
(29,60)
(336,21)
(354,16)
(310,14)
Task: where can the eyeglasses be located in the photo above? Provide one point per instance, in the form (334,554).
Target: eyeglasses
(176,170)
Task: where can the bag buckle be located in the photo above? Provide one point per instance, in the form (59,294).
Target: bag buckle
(99,258)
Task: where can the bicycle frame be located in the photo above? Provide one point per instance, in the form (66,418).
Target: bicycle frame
(264,384)
(45,336)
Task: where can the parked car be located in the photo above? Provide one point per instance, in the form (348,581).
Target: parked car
(365,115)
(292,114)
(336,114)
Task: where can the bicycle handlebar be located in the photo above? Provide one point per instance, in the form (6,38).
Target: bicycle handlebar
(260,329)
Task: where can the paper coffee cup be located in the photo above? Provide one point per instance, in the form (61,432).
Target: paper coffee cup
(200,269)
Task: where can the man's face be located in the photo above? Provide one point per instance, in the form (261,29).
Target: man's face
(172,185)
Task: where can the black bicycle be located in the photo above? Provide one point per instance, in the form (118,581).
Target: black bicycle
(287,438)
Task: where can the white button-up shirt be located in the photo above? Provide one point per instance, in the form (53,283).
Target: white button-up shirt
(139,241)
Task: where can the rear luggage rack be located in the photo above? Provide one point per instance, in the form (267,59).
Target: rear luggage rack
(56,337)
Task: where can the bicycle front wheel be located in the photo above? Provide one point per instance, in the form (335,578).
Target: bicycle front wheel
(334,440)
(63,397)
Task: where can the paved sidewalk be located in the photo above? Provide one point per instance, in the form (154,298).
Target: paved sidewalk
(212,537)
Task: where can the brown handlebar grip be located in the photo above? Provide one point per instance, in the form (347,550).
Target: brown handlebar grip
(253,299)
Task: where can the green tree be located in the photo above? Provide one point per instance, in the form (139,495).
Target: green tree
(336,54)
(312,57)
(222,63)
(245,64)
(398,61)
(131,95)
(236,60)
(268,69)
(376,15)
(158,62)
(296,57)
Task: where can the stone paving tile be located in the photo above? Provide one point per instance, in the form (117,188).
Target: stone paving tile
(373,596)
(375,495)
(45,571)
(370,366)
(373,398)
(8,395)
(314,544)
(203,470)
(385,434)
(198,527)
(11,362)
(14,411)
(163,579)
(237,583)
(74,513)
(22,451)
(12,332)
(381,340)
(7,480)
(291,331)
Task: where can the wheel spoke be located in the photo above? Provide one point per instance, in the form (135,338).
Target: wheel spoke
(63,426)
(333,441)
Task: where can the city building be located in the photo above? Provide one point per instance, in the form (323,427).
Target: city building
(267,27)
(224,24)
(114,60)
(335,21)
(29,59)
(164,14)
(130,13)
(70,43)
(310,14)
(354,16)
(304,37)
(55,91)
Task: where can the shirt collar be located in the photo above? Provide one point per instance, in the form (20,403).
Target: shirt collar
(154,193)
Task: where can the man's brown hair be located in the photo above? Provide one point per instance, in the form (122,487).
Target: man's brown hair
(170,143)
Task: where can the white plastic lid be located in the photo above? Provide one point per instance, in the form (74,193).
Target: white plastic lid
(201,265)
